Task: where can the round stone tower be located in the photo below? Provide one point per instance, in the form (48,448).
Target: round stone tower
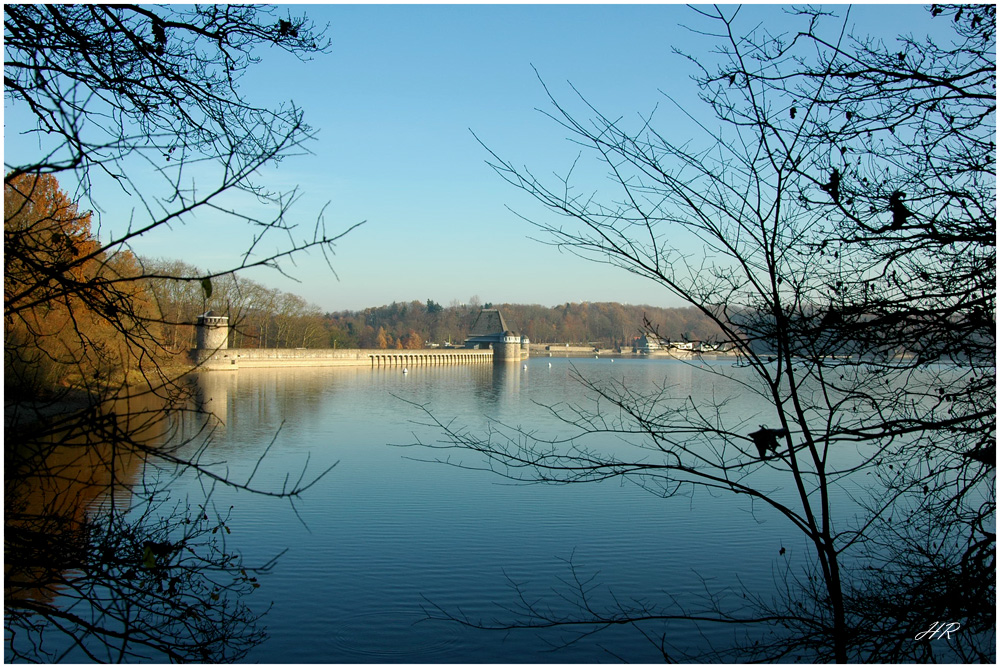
(212,332)
(508,349)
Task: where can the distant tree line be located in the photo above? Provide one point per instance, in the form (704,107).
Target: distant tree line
(173,294)
(72,335)
(59,334)
(262,317)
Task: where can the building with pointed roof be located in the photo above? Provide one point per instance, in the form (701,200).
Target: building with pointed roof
(491,330)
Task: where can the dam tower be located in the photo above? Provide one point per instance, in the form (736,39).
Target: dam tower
(490,330)
(212,332)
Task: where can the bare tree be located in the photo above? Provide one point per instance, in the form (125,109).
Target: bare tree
(845,200)
(143,101)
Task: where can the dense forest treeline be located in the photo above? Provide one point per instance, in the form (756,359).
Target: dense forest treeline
(103,315)
(605,324)
(262,317)
(70,336)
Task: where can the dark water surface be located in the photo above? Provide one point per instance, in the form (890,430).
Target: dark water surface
(385,536)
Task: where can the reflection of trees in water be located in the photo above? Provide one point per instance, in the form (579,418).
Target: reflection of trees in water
(100,563)
(97,558)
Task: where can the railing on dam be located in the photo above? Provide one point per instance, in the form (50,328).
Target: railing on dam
(425,357)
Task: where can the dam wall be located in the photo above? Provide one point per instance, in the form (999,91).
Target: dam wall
(232,359)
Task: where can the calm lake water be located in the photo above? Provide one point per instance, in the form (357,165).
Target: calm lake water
(391,537)
(388,534)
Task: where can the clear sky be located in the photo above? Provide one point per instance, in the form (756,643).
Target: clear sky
(395,103)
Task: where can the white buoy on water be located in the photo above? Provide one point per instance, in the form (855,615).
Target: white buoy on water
(550,365)
(524,366)
(405,371)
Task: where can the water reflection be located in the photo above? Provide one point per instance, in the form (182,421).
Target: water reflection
(384,533)
(211,395)
(100,563)
(51,490)
(499,384)
(294,394)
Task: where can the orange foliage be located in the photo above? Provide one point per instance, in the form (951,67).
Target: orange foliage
(72,313)
(44,235)
(413,341)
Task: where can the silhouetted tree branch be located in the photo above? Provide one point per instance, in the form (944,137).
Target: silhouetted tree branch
(845,202)
(142,105)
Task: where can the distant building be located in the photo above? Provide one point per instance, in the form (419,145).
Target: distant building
(490,330)
(647,344)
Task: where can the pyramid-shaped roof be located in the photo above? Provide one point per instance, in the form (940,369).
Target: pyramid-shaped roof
(488,323)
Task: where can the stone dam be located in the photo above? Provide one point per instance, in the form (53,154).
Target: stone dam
(490,342)
(257,358)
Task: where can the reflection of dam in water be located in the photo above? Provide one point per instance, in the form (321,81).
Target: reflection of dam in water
(293,390)
(490,340)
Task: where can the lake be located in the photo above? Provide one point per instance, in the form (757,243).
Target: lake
(392,538)
(389,534)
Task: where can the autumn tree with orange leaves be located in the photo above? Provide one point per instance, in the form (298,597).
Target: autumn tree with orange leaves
(74,315)
(97,568)
(413,341)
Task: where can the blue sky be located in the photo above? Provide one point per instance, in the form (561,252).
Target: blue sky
(394,102)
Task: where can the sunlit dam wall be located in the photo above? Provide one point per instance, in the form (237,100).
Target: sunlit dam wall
(257,358)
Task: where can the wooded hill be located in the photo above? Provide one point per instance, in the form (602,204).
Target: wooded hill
(262,317)
(76,315)
(606,324)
